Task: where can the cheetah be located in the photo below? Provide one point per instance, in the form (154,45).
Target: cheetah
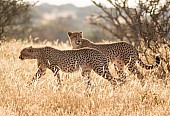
(68,61)
(120,54)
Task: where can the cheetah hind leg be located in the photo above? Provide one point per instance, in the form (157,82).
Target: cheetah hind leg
(135,71)
(104,72)
(120,72)
(119,66)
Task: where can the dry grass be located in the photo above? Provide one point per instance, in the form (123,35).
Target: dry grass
(47,99)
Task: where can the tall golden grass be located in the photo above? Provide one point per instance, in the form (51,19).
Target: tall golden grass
(45,98)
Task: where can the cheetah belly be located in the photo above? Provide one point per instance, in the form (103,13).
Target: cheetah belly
(69,68)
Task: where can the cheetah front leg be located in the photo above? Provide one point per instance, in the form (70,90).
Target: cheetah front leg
(86,75)
(55,70)
(41,71)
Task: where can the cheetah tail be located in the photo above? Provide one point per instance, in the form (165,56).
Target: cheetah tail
(148,67)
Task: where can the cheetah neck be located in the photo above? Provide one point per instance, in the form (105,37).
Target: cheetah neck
(48,52)
(93,45)
(88,43)
(37,53)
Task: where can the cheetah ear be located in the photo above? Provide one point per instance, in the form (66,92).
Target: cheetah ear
(30,49)
(81,32)
(69,33)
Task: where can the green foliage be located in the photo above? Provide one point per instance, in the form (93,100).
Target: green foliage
(14,17)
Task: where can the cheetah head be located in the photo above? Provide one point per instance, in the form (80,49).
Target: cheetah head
(26,53)
(77,41)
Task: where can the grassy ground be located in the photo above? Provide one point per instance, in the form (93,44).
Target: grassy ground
(45,98)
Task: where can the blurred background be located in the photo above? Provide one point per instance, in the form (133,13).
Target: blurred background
(49,19)
(124,20)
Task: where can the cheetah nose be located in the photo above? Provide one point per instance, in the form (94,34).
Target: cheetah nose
(20,57)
